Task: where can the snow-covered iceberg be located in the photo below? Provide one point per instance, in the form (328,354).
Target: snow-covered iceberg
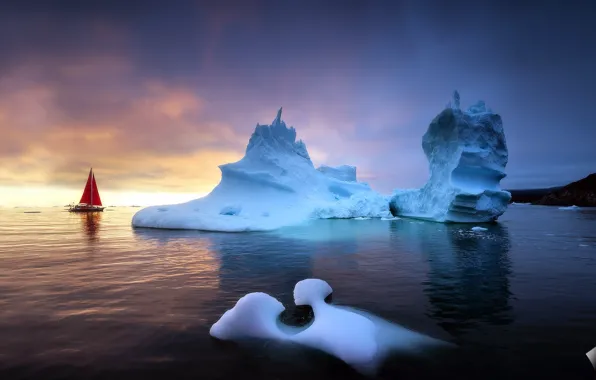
(359,338)
(342,172)
(467,155)
(275,184)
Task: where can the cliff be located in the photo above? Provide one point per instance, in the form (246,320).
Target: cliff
(580,193)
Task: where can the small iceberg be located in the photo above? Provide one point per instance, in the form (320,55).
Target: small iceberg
(574,207)
(479,229)
(360,339)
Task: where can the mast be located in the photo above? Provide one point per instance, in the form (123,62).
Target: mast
(95,198)
(91,186)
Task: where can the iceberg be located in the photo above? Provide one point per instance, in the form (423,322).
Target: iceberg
(467,155)
(275,184)
(357,337)
(343,172)
(572,207)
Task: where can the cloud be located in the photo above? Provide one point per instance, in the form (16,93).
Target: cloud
(60,118)
(56,122)
(156,96)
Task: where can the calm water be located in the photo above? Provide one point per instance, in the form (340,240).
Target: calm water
(86,296)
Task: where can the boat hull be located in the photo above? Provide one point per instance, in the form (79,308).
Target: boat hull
(86,209)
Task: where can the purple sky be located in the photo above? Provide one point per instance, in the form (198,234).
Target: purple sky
(155,94)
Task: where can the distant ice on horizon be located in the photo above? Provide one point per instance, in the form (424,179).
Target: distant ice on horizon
(573,207)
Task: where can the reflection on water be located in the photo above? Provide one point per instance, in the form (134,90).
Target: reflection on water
(91,224)
(267,264)
(164,237)
(147,298)
(468,278)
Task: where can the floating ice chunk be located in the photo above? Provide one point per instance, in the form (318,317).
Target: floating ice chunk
(574,207)
(395,338)
(253,316)
(362,218)
(393,218)
(311,291)
(339,332)
(467,155)
(354,336)
(479,229)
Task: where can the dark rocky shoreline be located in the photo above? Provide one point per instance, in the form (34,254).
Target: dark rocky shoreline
(530,195)
(580,193)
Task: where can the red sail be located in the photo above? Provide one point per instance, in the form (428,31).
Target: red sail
(86,198)
(91,194)
(95,199)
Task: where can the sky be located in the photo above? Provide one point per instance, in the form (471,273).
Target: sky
(154,95)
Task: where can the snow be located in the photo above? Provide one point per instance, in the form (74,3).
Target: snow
(357,337)
(275,184)
(574,207)
(467,155)
(479,229)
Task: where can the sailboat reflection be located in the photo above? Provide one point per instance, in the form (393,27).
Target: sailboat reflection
(90,223)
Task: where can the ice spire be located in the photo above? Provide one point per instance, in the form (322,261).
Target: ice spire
(455,101)
(278,117)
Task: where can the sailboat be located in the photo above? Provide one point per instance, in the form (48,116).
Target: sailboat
(90,201)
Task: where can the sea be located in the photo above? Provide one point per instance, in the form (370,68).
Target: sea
(87,296)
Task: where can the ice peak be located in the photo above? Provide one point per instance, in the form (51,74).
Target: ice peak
(278,117)
(277,137)
(454,104)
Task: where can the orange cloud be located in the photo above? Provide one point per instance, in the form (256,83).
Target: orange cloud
(142,135)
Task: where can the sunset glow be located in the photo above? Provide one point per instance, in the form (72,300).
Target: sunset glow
(155,104)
